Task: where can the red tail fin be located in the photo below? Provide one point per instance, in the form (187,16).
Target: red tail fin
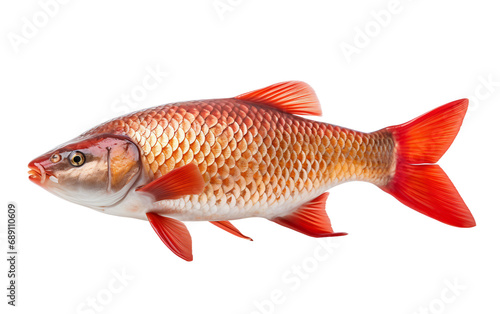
(417,182)
(426,138)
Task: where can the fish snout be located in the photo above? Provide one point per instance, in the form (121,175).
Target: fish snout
(38,173)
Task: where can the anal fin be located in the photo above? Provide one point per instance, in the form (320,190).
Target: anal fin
(227,226)
(310,219)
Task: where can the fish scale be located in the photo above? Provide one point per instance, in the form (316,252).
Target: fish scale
(255,160)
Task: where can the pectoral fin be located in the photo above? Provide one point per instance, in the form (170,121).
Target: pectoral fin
(227,226)
(310,219)
(174,234)
(186,180)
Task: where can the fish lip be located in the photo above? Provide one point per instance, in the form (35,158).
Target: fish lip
(37,173)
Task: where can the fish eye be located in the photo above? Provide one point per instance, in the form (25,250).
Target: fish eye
(55,158)
(76,159)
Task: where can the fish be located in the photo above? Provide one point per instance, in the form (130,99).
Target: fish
(253,155)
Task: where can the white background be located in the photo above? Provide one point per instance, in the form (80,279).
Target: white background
(70,73)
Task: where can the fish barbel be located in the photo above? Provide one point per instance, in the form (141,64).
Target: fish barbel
(250,156)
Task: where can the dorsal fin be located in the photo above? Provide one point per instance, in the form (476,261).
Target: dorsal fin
(293,97)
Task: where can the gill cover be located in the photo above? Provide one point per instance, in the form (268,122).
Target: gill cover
(123,162)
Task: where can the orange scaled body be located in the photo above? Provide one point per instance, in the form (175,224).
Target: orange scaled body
(255,160)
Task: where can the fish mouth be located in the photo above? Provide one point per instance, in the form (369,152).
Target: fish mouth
(38,174)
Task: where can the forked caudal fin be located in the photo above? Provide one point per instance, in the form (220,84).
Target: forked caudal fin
(417,181)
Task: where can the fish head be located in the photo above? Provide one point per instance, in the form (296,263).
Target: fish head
(96,172)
